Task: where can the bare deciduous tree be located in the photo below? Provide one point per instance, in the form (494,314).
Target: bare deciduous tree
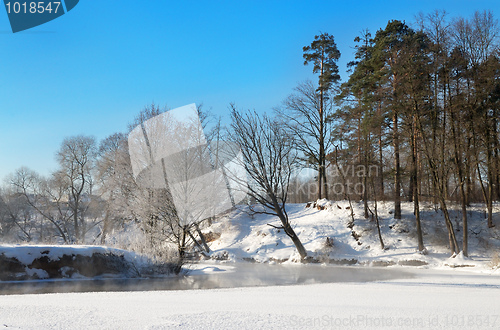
(305,113)
(114,181)
(76,159)
(18,220)
(269,158)
(47,198)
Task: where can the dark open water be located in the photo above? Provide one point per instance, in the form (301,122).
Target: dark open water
(238,275)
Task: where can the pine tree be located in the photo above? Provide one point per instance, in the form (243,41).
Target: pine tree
(323,54)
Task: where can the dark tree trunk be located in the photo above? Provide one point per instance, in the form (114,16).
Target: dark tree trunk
(381,168)
(382,245)
(397,169)
(415,191)
(296,241)
(489,159)
(202,238)
(323,184)
(365,181)
(289,230)
(381,159)
(461,179)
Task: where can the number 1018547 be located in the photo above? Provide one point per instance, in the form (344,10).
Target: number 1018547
(32,7)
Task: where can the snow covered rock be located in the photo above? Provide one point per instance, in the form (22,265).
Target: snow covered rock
(45,261)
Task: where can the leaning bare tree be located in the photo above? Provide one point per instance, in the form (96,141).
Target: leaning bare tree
(269,156)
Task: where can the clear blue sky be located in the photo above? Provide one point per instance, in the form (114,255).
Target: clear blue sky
(93,69)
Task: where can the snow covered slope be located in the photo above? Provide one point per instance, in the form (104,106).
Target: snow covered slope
(326,235)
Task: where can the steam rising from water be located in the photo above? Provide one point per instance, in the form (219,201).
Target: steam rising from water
(236,275)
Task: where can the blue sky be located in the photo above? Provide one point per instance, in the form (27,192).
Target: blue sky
(93,69)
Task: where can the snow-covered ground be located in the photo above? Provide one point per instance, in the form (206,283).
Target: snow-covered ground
(27,253)
(414,291)
(433,299)
(247,237)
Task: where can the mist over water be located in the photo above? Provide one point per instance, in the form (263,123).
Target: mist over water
(213,277)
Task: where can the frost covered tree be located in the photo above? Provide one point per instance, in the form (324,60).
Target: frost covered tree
(114,182)
(152,204)
(18,220)
(76,157)
(153,207)
(48,199)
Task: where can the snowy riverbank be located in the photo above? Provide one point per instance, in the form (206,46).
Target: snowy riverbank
(431,299)
(242,236)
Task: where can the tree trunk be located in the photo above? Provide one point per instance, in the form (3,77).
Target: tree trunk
(321,157)
(441,193)
(75,222)
(288,229)
(381,160)
(451,232)
(296,241)
(202,238)
(181,250)
(461,179)
(105,226)
(489,159)
(415,191)
(365,182)
(411,189)
(365,196)
(397,169)
(323,185)
(382,245)
(496,161)
(381,168)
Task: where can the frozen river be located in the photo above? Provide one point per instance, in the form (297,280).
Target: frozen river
(269,297)
(213,276)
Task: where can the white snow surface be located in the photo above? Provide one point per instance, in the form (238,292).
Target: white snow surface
(444,293)
(27,253)
(245,236)
(428,301)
